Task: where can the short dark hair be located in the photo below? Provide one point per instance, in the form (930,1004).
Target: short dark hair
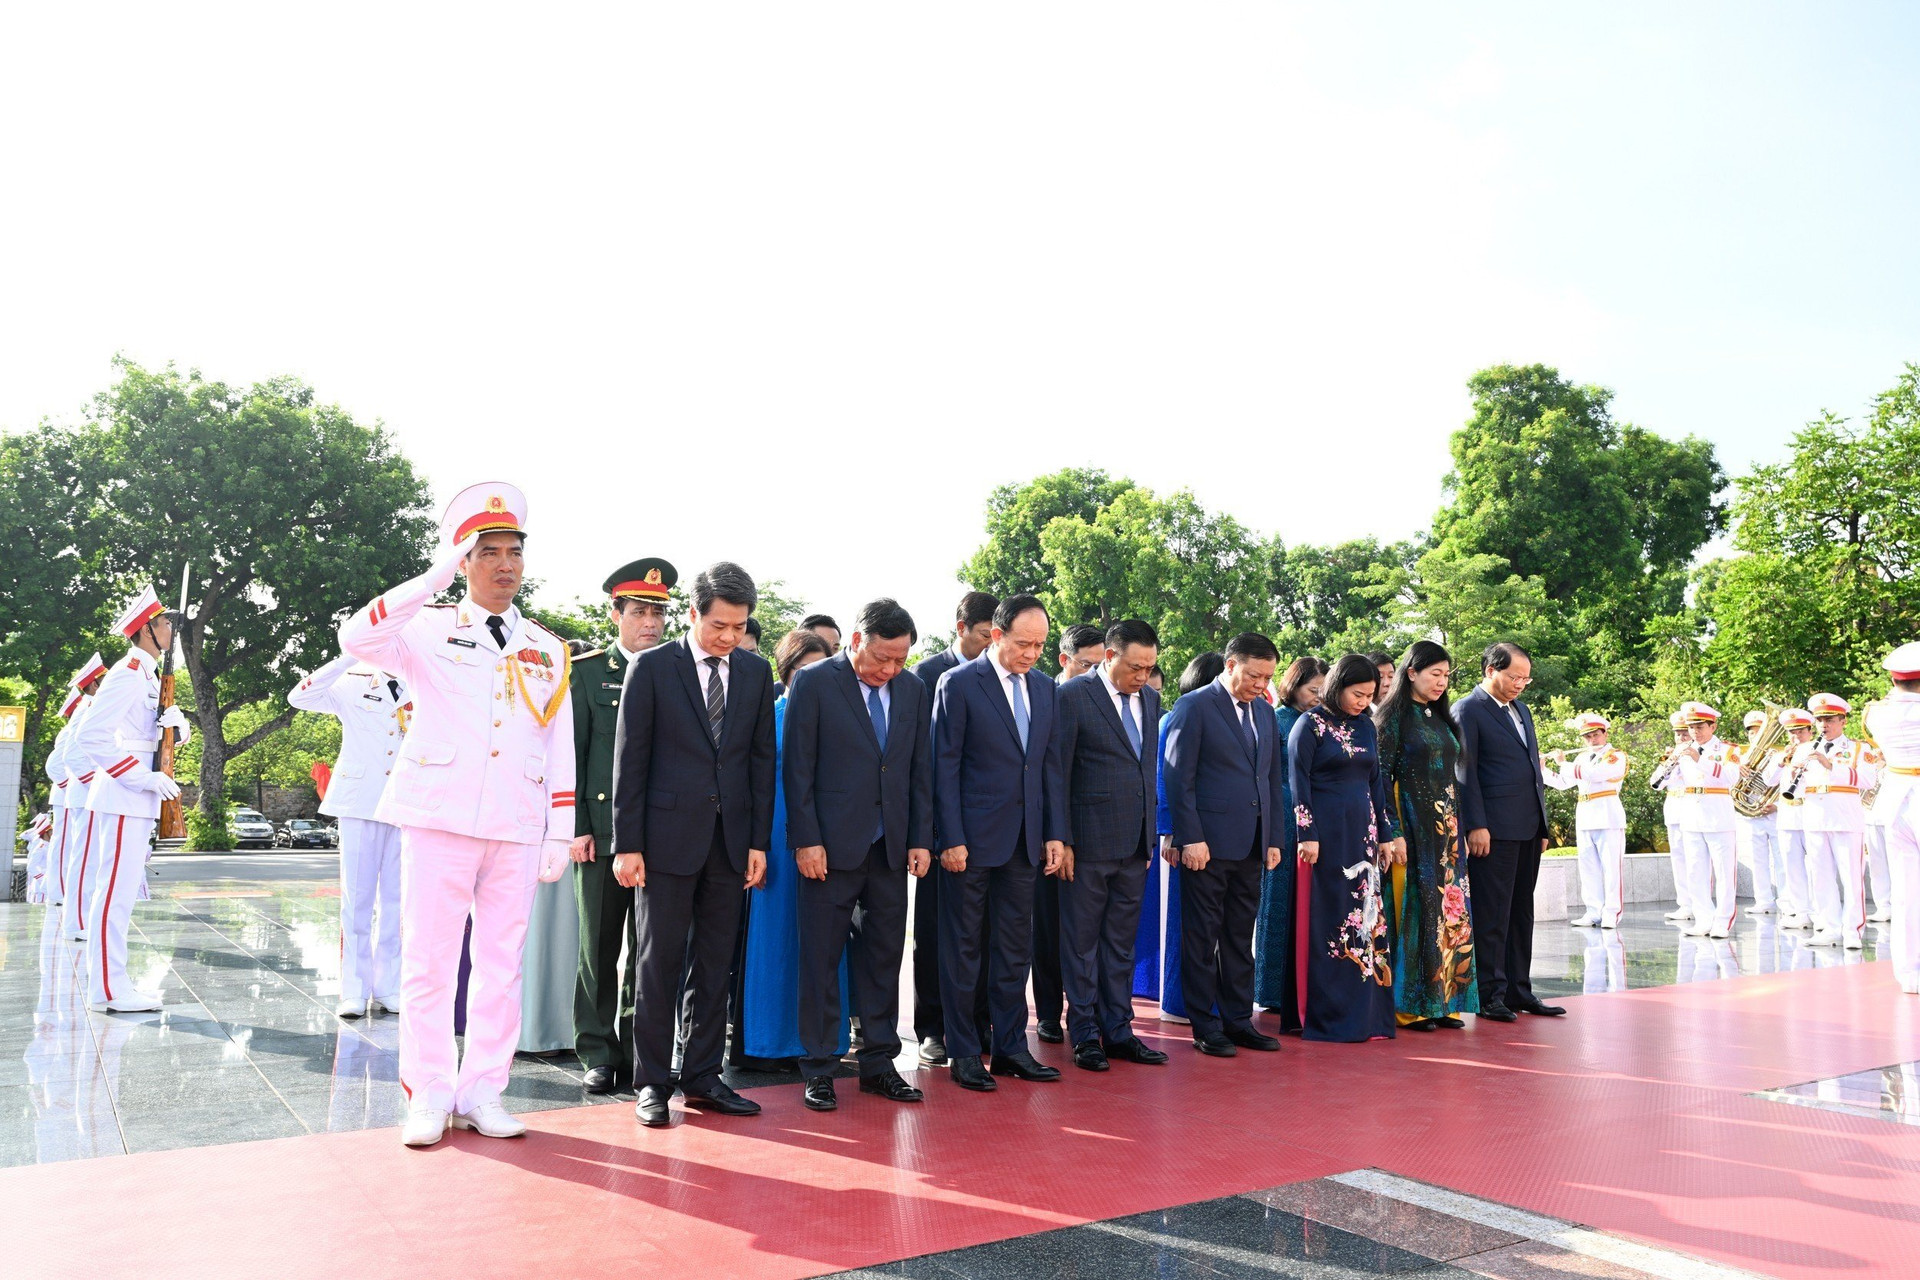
(885,619)
(1352,670)
(723,580)
(1132,631)
(1156,671)
(1379,659)
(1080,636)
(794,646)
(1500,655)
(1299,672)
(975,608)
(1013,606)
(1251,646)
(753,627)
(1202,671)
(814,621)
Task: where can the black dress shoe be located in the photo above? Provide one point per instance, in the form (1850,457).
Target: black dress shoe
(1420,1024)
(1450,1022)
(1089,1056)
(720,1098)
(819,1094)
(933,1051)
(1051,1033)
(1215,1046)
(969,1074)
(1023,1066)
(652,1109)
(892,1086)
(1539,1010)
(1133,1050)
(1498,1013)
(1248,1038)
(602,1080)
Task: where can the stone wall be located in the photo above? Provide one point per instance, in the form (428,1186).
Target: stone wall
(278,803)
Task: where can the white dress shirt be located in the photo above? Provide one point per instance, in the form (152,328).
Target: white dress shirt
(1008,678)
(1124,703)
(509,618)
(700,657)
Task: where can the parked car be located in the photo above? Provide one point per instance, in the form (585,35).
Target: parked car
(304,833)
(249,829)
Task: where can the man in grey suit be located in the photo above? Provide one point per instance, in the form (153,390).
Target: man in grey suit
(693,780)
(1109,736)
(972,632)
(858,771)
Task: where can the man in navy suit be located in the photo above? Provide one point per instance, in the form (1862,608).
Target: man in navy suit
(1503,805)
(1082,648)
(998,814)
(1109,752)
(972,633)
(1224,765)
(693,781)
(858,766)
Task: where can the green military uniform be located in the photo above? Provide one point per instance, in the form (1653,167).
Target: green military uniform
(603,999)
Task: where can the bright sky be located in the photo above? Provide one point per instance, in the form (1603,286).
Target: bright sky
(797,285)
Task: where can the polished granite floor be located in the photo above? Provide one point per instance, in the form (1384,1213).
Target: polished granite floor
(246,952)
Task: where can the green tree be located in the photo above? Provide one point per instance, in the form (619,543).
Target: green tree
(1012,560)
(290,514)
(1467,602)
(1326,600)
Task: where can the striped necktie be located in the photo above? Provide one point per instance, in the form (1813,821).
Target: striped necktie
(716,700)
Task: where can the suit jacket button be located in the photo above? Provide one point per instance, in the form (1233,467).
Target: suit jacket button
(601,796)
(713,799)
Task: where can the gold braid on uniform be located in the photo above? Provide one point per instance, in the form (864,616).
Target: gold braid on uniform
(544,718)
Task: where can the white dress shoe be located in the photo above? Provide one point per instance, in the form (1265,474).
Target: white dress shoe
(1911,988)
(1824,938)
(1609,924)
(384,1004)
(1698,929)
(132,1002)
(1718,931)
(1794,920)
(1679,913)
(1881,915)
(1855,942)
(350,1009)
(424,1127)
(1587,921)
(1758,910)
(490,1120)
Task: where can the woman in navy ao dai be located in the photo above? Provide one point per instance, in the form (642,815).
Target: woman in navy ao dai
(1340,986)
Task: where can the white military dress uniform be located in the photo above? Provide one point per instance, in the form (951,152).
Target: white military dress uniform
(1790,828)
(1599,823)
(1757,839)
(1712,861)
(371,707)
(483,797)
(79,870)
(1672,807)
(1838,771)
(1878,886)
(37,835)
(58,801)
(1895,726)
(117,742)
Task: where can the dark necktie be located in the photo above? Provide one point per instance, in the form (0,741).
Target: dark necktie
(393,687)
(1131,725)
(498,625)
(1246,722)
(878,714)
(716,699)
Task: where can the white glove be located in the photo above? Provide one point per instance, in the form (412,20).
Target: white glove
(175,719)
(555,858)
(160,784)
(448,567)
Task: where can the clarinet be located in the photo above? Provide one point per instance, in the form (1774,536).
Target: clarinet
(1792,789)
(1666,767)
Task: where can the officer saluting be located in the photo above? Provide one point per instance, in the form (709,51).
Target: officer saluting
(1895,724)
(483,797)
(603,998)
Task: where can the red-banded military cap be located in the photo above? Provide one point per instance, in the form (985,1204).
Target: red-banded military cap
(1904,663)
(484,508)
(1698,713)
(1796,718)
(1588,722)
(72,704)
(140,610)
(649,579)
(90,672)
(1678,720)
(1753,719)
(1829,704)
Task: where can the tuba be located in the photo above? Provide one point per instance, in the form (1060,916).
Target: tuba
(1751,794)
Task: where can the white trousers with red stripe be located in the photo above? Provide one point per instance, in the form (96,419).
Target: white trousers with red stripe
(444,878)
(1836,880)
(82,866)
(369,910)
(1713,877)
(1601,858)
(1879,874)
(1794,897)
(120,853)
(1677,862)
(1759,846)
(1903,866)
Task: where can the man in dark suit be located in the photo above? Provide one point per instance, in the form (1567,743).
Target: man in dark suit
(1109,753)
(858,772)
(1224,765)
(998,814)
(972,632)
(1082,648)
(1503,805)
(692,817)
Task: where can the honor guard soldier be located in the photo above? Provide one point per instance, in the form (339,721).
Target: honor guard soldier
(1666,779)
(1838,771)
(1894,724)
(1758,839)
(1599,820)
(482,792)
(77,864)
(117,742)
(37,835)
(603,997)
(1796,907)
(68,800)
(372,708)
(1708,768)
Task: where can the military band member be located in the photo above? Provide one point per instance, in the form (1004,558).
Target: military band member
(1838,770)
(1667,778)
(1894,724)
(1709,767)
(1796,908)
(603,993)
(117,743)
(372,708)
(1757,839)
(1599,820)
(78,865)
(483,797)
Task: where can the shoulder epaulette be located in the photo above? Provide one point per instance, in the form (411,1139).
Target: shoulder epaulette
(439,606)
(591,653)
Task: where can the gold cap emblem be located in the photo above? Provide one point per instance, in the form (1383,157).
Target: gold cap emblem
(496,503)
(653,577)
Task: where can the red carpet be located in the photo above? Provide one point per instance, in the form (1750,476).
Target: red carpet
(1629,1115)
